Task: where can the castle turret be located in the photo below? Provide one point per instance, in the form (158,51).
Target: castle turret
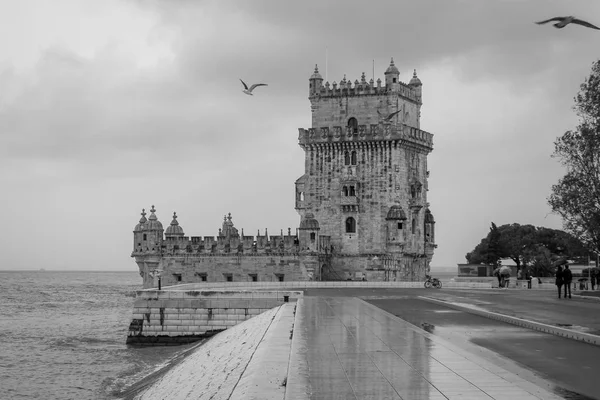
(154,233)
(309,233)
(139,237)
(395,221)
(415,82)
(392,77)
(315,82)
(228,230)
(174,229)
(429,227)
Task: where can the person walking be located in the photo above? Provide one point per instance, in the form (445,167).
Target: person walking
(497,275)
(567,278)
(559,279)
(528,277)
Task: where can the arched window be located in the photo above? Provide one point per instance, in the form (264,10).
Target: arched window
(345,190)
(346,158)
(414,226)
(353,123)
(413,191)
(145,237)
(301,196)
(350,225)
(313,237)
(352,192)
(353,158)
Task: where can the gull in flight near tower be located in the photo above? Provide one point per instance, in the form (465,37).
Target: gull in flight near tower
(249,91)
(389,117)
(564,21)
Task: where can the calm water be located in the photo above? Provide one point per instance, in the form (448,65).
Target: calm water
(62,335)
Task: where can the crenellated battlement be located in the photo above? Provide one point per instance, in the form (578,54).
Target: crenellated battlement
(363,88)
(373,132)
(210,245)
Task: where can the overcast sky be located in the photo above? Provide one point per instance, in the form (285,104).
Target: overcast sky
(108,107)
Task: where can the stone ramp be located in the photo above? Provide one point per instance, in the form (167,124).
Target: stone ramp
(247,361)
(345,348)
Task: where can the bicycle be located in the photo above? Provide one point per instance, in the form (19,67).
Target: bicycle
(435,282)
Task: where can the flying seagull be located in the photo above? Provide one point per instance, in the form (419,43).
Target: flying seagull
(389,117)
(249,91)
(564,21)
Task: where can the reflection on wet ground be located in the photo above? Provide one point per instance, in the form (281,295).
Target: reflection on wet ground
(563,366)
(357,351)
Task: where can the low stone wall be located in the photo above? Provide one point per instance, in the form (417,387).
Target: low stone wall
(177,316)
(321,285)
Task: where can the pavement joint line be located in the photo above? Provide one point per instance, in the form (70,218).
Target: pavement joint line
(298,383)
(277,315)
(515,379)
(538,326)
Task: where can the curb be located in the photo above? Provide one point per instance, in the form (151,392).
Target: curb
(538,326)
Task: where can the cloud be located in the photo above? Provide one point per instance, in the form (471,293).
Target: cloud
(146,107)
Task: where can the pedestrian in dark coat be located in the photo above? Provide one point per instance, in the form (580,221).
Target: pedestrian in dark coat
(559,279)
(567,278)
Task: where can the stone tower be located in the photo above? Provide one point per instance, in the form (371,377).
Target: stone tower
(365,180)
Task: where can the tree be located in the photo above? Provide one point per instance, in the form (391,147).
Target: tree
(576,196)
(536,248)
(494,249)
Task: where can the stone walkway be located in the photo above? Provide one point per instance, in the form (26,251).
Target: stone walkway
(345,348)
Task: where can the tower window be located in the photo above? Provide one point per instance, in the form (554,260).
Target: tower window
(353,123)
(145,236)
(399,225)
(394,80)
(350,225)
(352,192)
(301,196)
(313,237)
(353,158)
(345,190)
(414,226)
(346,158)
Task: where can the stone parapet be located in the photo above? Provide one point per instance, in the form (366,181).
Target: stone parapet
(375,132)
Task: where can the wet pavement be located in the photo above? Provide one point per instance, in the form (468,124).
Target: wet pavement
(579,314)
(354,350)
(563,366)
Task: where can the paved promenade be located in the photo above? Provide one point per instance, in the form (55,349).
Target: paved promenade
(345,348)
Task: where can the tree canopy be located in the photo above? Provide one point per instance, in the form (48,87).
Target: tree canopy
(576,196)
(537,248)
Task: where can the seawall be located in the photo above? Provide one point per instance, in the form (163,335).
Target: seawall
(190,312)
(174,317)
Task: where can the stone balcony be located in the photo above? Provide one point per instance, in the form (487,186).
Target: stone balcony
(373,132)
